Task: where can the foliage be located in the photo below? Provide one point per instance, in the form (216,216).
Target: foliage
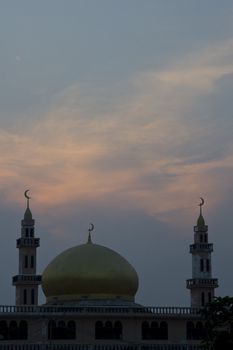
(218,316)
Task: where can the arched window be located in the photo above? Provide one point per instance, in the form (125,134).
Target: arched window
(60,332)
(99,330)
(71,330)
(25,296)
(154,330)
(117,330)
(190,330)
(201,238)
(26,232)
(32,296)
(51,330)
(3,330)
(209,297)
(207,265)
(199,331)
(108,330)
(26,261)
(23,330)
(163,330)
(13,330)
(145,330)
(205,238)
(32,262)
(31,232)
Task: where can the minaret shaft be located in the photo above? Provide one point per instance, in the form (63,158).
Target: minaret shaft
(202,285)
(27,281)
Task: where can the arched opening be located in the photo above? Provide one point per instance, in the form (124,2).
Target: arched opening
(25,261)
(108,330)
(71,330)
(23,330)
(99,330)
(60,332)
(25,296)
(13,330)
(163,330)
(209,297)
(154,330)
(207,265)
(3,330)
(145,330)
(199,331)
(32,262)
(51,330)
(32,296)
(117,330)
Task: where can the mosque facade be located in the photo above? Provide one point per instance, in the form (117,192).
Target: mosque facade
(90,300)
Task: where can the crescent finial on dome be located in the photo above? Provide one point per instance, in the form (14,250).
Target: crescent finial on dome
(91,228)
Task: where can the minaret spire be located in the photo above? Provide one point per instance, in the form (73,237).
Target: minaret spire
(202,285)
(27,281)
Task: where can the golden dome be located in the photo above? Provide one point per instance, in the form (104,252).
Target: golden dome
(89,271)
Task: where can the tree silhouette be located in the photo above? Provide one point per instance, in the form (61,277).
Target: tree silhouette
(218,317)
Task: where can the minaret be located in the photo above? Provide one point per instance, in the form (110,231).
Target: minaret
(202,285)
(27,281)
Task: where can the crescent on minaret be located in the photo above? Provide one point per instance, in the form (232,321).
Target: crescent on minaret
(202,202)
(26,194)
(91,228)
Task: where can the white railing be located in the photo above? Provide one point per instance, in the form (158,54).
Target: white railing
(99,309)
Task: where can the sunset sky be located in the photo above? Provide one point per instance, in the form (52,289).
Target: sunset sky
(120,113)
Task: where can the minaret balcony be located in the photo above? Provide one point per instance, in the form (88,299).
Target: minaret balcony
(201,247)
(203,228)
(27,279)
(202,283)
(28,242)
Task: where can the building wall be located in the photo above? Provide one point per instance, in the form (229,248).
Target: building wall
(38,324)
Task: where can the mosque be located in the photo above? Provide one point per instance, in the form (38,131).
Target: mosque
(90,299)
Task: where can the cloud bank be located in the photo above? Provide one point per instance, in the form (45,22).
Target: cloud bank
(154,142)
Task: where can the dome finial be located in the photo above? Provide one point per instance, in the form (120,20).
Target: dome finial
(200,220)
(91,228)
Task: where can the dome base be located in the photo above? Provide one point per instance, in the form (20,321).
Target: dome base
(70,298)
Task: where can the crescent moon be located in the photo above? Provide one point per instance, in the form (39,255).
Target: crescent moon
(91,228)
(202,202)
(26,195)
